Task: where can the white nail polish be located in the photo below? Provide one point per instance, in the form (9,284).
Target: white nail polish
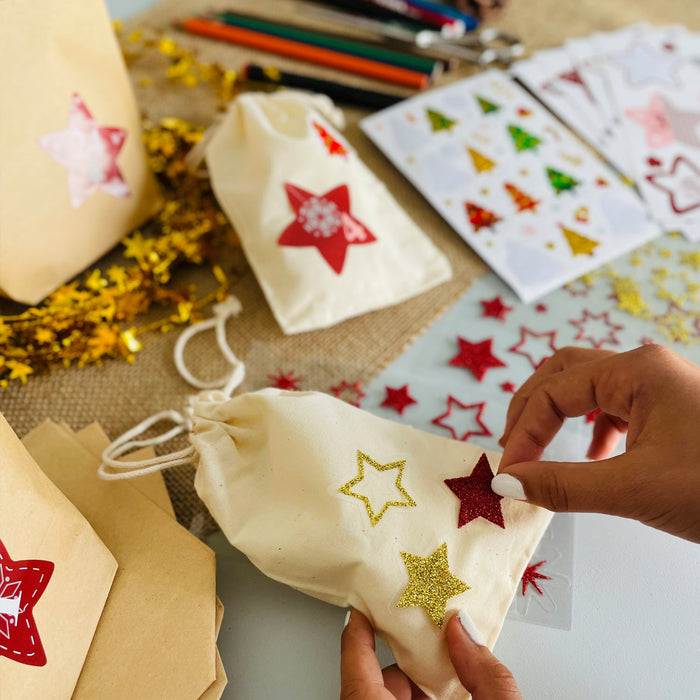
(347,619)
(507,485)
(470,628)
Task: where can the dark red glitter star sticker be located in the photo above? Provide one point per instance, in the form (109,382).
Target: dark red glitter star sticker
(398,399)
(351,393)
(22,583)
(531,575)
(541,308)
(288,381)
(475,495)
(539,359)
(477,407)
(324,221)
(476,357)
(508,387)
(495,308)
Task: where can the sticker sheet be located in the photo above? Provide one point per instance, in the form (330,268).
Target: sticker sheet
(517,186)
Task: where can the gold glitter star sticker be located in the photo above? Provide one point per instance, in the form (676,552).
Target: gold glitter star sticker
(430,583)
(362,458)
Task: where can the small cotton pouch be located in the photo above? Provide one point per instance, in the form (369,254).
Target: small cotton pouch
(353,509)
(323,235)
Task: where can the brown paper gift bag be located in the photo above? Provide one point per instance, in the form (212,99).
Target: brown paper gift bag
(74,178)
(55,575)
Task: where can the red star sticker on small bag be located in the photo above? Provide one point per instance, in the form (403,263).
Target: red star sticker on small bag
(325,222)
(398,399)
(476,357)
(531,575)
(287,382)
(495,308)
(477,500)
(22,583)
(535,360)
(477,408)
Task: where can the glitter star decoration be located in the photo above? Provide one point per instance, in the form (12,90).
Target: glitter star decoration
(642,65)
(22,583)
(530,338)
(508,387)
(681,183)
(398,399)
(606,329)
(476,408)
(430,583)
(89,153)
(375,515)
(287,381)
(325,222)
(352,393)
(531,575)
(478,358)
(477,500)
(495,308)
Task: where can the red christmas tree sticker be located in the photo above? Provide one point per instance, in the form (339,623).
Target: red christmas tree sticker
(479,217)
(324,221)
(22,583)
(521,200)
(333,146)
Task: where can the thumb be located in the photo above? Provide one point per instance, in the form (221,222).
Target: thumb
(479,671)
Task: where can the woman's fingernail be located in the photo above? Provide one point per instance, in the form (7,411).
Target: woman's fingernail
(347,619)
(470,628)
(507,485)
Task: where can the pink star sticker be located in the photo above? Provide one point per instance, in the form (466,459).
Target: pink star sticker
(287,382)
(519,348)
(585,334)
(495,308)
(476,357)
(352,393)
(475,495)
(530,575)
(478,408)
(22,583)
(324,221)
(398,399)
(657,130)
(89,153)
(681,184)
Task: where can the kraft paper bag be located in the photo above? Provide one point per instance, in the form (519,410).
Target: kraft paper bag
(324,236)
(55,575)
(74,176)
(156,637)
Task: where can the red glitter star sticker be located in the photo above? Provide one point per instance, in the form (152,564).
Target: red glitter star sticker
(352,393)
(476,497)
(681,184)
(288,381)
(585,334)
(495,308)
(478,407)
(476,357)
(398,399)
(541,308)
(22,583)
(324,221)
(508,387)
(518,348)
(531,575)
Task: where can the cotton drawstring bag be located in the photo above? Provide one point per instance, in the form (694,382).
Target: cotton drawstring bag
(355,510)
(323,235)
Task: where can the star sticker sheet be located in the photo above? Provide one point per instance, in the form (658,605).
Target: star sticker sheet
(637,102)
(515,184)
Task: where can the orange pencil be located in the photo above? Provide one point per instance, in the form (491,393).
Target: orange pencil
(304,52)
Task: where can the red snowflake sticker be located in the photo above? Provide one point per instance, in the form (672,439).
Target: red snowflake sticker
(531,575)
(398,399)
(595,335)
(477,500)
(351,393)
(475,408)
(288,381)
(22,583)
(527,347)
(476,357)
(495,308)
(324,221)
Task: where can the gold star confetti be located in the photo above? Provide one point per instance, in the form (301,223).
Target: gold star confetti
(691,259)
(629,297)
(430,583)
(347,489)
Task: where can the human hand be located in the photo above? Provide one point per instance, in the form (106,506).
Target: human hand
(650,393)
(478,669)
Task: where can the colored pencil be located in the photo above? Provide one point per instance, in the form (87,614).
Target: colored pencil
(470,22)
(429,66)
(451,25)
(343,94)
(304,52)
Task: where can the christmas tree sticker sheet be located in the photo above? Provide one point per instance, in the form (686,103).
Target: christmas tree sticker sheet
(520,189)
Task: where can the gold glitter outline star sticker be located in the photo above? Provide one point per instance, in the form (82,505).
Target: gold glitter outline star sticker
(430,583)
(347,488)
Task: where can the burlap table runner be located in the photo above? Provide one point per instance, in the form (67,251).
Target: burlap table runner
(119,394)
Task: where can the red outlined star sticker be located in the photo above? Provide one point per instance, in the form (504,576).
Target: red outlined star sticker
(541,308)
(585,333)
(478,408)
(495,308)
(681,184)
(519,347)
(22,583)
(398,399)
(476,357)
(287,381)
(530,575)
(508,387)
(578,288)
(351,393)
(475,495)
(324,221)
(89,153)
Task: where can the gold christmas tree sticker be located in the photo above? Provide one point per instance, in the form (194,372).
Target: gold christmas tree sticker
(481,162)
(579,244)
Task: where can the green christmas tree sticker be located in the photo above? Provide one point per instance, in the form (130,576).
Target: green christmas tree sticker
(486,106)
(439,121)
(522,140)
(561,182)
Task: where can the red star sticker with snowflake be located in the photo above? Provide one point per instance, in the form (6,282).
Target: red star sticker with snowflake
(89,153)
(288,381)
(477,500)
(585,334)
(324,222)
(508,387)
(477,408)
(531,575)
(495,308)
(352,393)
(535,360)
(476,357)
(398,399)
(22,583)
